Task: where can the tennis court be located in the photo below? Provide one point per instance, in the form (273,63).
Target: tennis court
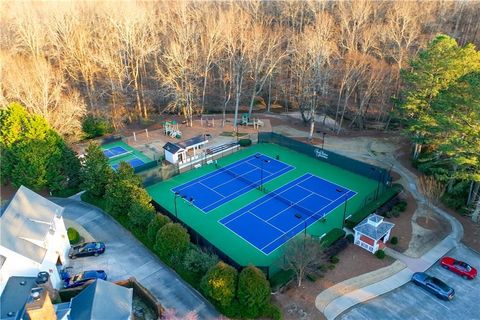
(275,218)
(119,151)
(226,183)
(251,225)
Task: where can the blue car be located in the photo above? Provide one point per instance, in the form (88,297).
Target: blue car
(87,249)
(434,285)
(83,277)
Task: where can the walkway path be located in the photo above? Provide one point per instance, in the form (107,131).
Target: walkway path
(126,257)
(341,303)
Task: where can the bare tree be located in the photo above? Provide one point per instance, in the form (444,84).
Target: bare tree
(302,255)
(432,189)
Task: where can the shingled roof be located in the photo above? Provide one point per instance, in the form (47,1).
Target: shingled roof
(26,222)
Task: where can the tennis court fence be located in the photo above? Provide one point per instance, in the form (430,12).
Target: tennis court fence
(370,171)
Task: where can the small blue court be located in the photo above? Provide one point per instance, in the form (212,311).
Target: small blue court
(272,220)
(135,162)
(216,188)
(115,152)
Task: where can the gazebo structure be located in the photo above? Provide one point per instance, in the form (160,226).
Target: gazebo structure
(186,151)
(372,233)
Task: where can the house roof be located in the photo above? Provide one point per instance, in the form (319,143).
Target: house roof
(373,227)
(92,302)
(200,139)
(25,223)
(14,297)
(172,147)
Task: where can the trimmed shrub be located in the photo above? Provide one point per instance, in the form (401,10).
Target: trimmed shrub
(93,127)
(394,240)
(244,142)
(172,242)
(350,238)
(273,312)
(157,222)
(311,277)
(331,266)
(334,260)
(336,248)
(332,236)
(253,291)
(73,236)
(220,283)
(402,205)
(281,279)
(395,212)
(198,261)
(380,254)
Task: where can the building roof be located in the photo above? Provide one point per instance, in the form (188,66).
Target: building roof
(14,297)
(373,227)
(172,147)
(26,222)
(92,302)
(200,139)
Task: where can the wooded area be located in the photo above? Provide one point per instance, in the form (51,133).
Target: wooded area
(129,60)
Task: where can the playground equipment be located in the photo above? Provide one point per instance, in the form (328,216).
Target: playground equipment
(247,121)
(170,128)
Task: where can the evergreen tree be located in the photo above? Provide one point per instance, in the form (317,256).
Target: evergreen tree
(253,291)
(96,172)
(220,284)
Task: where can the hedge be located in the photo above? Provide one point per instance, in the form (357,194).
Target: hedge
(281,279)
(73,236)
(332,236)
(244,142)
(361,214)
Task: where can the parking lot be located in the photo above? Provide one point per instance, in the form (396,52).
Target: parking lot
(412,302)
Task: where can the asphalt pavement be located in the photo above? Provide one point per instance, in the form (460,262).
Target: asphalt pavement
(126,257)
(413,302)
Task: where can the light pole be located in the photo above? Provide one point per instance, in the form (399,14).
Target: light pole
(323,139)
(344,210)
(262,161)
(377,171)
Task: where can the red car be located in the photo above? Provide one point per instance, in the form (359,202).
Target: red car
(459,267)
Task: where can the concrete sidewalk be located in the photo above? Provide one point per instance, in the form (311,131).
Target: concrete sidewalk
(348,300)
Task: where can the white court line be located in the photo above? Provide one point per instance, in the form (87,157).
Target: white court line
(286,170)
(303,222)
(235,178)
(207,187)
(210,174)
(292,206)
(253,214)
(313,192)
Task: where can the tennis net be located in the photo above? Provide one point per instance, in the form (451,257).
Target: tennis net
(120,155)
(290,203)
(238,176)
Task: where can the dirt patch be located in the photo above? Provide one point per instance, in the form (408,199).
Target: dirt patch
(299,303)
(428,223)
(403,224)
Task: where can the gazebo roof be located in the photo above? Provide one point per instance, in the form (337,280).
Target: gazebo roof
(374,227)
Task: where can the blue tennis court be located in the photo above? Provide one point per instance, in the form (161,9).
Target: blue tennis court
(114,152)
(135,162)
(277,217)
(216,188)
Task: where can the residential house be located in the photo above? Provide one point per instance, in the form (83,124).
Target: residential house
(33,238)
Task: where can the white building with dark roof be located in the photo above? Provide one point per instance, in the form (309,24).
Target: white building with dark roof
(33,238)
(372,233)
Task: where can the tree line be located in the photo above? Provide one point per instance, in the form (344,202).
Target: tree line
(129,60)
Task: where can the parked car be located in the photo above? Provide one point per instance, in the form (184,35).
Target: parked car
(87,249)
(83,277)
(461,268)
(434,285)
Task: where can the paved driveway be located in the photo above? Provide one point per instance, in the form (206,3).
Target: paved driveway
(412,302)
(126,257)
